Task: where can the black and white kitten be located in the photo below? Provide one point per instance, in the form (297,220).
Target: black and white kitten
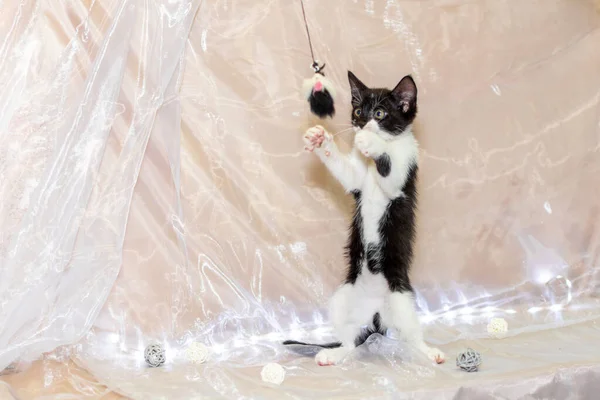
(381,173)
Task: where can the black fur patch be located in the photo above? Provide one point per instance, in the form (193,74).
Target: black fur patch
(373,253)
(375,328)
(355,250)
(321,104)
(383,164)
(310,349)
(397,229)
(331,345)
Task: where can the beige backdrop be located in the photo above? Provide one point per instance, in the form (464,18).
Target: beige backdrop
(176,128)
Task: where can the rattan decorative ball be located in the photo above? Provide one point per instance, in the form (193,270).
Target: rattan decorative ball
(469,360)
(155,355)
(197,353)
(273,373)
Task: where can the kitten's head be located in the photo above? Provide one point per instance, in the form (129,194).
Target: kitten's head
(389,112)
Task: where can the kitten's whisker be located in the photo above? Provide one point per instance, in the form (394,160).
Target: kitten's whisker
(343,131)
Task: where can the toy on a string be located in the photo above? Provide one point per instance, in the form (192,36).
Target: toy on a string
(318,90)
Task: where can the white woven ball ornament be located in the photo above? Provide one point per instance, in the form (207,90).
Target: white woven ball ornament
(497,327)
(468,360)
(273,373)
(197,353)
(154,355)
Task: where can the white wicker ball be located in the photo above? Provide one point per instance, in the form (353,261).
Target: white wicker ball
(155,355)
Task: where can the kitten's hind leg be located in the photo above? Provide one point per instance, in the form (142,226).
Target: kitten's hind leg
(345,327)
(401,314)
(328,357)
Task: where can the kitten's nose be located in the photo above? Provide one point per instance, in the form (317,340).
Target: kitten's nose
(371,126)
(318,86)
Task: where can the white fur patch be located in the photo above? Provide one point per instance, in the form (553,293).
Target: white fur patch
(308,84)
(331,356)
(373,205)
(353,306)
(400,313)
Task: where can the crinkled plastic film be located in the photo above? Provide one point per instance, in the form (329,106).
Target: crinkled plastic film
(154,188)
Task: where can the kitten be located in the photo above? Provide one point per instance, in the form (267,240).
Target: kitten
(381,174)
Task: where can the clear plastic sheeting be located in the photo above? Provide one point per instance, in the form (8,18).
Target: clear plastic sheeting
(154,189)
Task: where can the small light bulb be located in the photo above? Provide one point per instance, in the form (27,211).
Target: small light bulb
(558,290)
(467,311)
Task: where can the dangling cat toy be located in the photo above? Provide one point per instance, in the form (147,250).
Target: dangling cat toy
(318,90)
(320,93)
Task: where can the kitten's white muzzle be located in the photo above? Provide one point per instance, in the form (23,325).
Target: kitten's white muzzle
(372,126)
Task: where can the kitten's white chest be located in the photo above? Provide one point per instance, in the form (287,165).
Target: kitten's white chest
(374,204)
(403,152)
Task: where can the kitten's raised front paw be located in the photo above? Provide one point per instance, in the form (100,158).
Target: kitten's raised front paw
(317,137)
(327,357)
(435,355)
(369,144)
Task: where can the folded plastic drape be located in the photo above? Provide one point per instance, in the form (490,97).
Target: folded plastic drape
(78,109)
(153,188)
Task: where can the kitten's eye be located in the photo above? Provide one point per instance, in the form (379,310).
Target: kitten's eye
(380,114)
(357,112)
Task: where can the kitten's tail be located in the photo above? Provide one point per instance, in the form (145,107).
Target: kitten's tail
(331,345)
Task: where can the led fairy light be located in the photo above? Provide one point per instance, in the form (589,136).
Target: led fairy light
(497,327)
(558,290)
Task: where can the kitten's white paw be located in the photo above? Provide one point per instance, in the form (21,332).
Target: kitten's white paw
(368,143)
(435,355)
(328,357)
(317,137)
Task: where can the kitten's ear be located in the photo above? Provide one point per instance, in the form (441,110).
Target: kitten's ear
(356,87)
(405,94)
